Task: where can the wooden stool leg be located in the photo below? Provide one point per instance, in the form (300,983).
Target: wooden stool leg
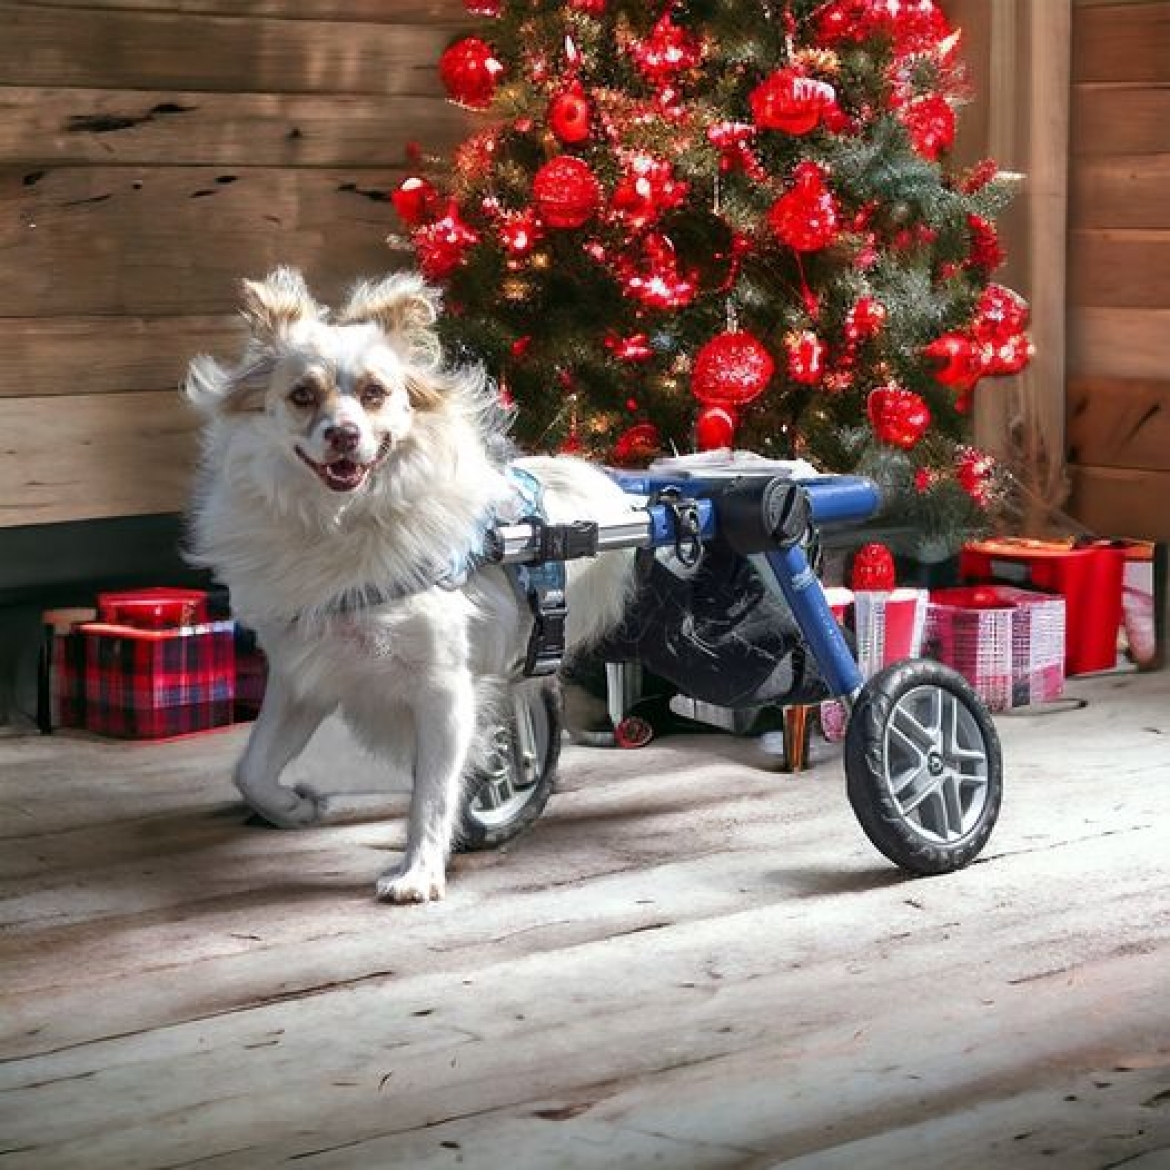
(796,731)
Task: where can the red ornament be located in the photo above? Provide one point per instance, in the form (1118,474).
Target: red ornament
(635,348)
(960,366)
(986,252)
(469,71)
(873,569)
(715,428)
(415,200)
(787,100)
(442,245)
(806,217)
(975,472)
(639,444)
(930,122)
(898,416)
(648,189)
(734,140)
(668,51)
(488,8)
(865,319)
(1000,311)
(593,7)
(569,114)
(566,192)
(654,277)
(731,369)
(806,357)
(520,231)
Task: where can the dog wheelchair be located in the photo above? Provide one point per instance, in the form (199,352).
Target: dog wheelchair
(922,759)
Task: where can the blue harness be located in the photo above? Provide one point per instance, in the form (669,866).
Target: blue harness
(539,586)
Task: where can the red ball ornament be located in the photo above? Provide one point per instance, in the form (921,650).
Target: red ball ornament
(787,100)
(637,445)
(653,275)
(470,71)
(731,369)
(1000,312)
(520,232)
(898,416)
(415,200)
(488,8)
(566,192)
(873,569)
(715,428)
(806,357)
(806,217)
(569,114)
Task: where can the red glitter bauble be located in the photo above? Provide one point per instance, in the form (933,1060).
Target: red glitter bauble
(806,217)
(415,200)
(873,569)
(668,51)
(975,472)
(569,114)
(898,416)
(731,369)
(566,192)
(787,100)
(470,71)
(865,319)
(714,428)
(806,357)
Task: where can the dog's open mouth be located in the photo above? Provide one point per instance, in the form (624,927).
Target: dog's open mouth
(343,474)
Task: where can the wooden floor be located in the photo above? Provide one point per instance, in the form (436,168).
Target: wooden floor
(692,961)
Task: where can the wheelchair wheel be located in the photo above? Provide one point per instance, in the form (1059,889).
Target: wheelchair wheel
(923,767)
(510,791)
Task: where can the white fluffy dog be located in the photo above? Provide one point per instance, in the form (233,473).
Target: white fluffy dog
(349,474)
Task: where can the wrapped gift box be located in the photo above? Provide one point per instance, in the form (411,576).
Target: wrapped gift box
(1008,643)
(157,608)
(1089,579)
(61,672)
(155,683)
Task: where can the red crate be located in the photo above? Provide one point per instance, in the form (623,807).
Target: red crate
(1009,644)
(151,684)
(1088,578)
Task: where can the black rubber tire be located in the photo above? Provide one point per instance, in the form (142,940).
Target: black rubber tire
(483,827)
(870,760)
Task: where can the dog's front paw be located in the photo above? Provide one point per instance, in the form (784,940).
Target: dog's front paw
(416,883)
(290,808)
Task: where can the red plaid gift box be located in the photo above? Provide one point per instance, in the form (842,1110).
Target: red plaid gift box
(61,674)
(1007,643)
(150,684)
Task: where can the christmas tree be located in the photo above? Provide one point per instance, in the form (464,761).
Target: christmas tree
(708,223)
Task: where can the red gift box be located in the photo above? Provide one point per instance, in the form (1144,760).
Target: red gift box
(1009,644)
(158,608)
(1088,578)
(152,684)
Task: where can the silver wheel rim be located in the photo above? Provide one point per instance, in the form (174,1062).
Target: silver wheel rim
(936,766)
(510,776)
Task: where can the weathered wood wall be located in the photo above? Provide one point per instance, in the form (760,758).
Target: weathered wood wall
(1119,268)
(152,155)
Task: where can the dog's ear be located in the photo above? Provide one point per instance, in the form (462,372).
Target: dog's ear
(214,390)
(404,305)
(273,304)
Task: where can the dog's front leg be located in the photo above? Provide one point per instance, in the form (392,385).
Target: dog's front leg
(444,720)
(281,731)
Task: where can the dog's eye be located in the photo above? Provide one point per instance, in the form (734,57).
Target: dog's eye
(373,396)
(303,396)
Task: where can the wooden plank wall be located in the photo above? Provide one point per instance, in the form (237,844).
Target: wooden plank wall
(150,156)
(1119,268)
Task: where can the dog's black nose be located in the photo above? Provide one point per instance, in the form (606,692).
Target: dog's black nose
(343,438)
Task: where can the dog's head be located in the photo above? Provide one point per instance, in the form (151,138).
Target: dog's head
(338,394)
